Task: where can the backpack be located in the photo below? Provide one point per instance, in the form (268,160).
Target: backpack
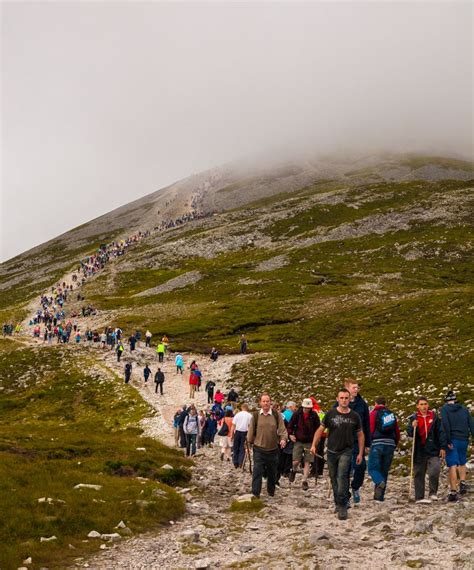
(385,421)
(224,429)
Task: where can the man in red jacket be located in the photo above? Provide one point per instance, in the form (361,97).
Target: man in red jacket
(385,437)
(301,429)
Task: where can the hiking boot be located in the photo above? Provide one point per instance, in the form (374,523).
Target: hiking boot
(271,493)
(379,491)
(463,489)
(434,498)
(291,476)
(356,496)
(452,497)
(305,485)
(342,513)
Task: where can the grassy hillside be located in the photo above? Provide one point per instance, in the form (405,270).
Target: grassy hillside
(65,421)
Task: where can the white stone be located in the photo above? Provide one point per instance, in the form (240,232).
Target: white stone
(49,539)
(103,546)
(88,486)
(202,564)
(167,466)
(141,449)
(113,537)
(121,524)
(28,560)
(94,534)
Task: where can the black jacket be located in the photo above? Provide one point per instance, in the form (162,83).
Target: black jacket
(435,439)
(159,377)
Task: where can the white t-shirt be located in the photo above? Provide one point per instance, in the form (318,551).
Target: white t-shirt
(241,420)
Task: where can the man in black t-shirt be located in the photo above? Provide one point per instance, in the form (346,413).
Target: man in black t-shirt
(343,425)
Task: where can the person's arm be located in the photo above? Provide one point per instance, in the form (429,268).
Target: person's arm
(281,431)
(316,438)
(412,423)
(361,441)
(232,429)
(291,428)
(372,418)
(366,427)
(446,428)
(251,431)
(397,433)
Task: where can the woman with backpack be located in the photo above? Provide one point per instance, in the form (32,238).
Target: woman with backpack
(192,430)
(225,427)
(385,437)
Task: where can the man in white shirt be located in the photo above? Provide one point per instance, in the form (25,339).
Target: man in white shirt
(238,435)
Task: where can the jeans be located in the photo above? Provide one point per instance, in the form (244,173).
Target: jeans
(380,459)
(238,449)
(160,386)
(426,464)
(339,466)
(191,443)
(357,471)
(264,461)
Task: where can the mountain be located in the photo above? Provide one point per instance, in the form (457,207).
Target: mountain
(359,267)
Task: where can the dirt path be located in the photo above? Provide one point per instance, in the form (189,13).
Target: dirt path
(296,529)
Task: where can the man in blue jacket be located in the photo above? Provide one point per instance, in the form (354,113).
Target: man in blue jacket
(458,425)
(358,405)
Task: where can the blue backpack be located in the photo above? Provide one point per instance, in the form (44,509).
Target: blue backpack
(385,422)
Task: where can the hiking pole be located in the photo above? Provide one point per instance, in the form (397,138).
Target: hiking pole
(412,462)
(247,449)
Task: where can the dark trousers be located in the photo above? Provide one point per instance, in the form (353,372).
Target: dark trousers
(426,464)
(182,437)
(160,356)
(339,466)
(357,471)
(317,468)
(380,460)
(191,443)
(238,448)
(160,384)
(147,341)
(210,396)
(264,462)
(127,379)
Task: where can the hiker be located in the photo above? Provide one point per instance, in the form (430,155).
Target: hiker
(148,336)
(146,372)
(128,372)
(198,373)
(119,350)
(193,382)
(160,350)
(232,396)
(132,341)
(214,354)
(191,429)
(138,337)
(458,425)
(267,433)
(219,397)
(238,434)
(225,427)
(202,423)
(210,385)
(159,380)
(343,425)
(317,469)
(430,448)
(301,429)
(358,405)
(285,462)
(182,435)
(179,362)
(243,344)
(176,427)
(385,435)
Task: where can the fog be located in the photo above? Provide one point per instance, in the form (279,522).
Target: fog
(105,102)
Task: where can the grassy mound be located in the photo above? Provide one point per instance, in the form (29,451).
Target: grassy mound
(65,421)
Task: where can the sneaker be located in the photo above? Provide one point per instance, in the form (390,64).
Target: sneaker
(356,496)
(291,476)
(379,491)
(463,488)
(434,498)
(305,485)
(342,513)
(452,497)
(423,502)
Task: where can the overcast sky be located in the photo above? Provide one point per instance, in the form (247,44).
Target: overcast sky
(104,102)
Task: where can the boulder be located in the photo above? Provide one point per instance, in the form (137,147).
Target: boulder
(94,534)
(113,537)
(48,539)
(202,564)
(88,486)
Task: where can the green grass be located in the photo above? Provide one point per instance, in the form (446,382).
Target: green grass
(253,506)
(64,421)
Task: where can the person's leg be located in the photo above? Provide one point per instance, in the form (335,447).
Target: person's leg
(297,457)
(176,436)
(188,444)
(386,464)
(343,473)
(161,388)
(272,466)
(434,470)
(156,387)
(257,472)
(236,448)
(332,461)
(358,471)
(193,444)
(419,473)
(308,459)
(375,464)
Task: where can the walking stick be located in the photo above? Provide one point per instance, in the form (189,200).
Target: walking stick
(249,455)
(412,462)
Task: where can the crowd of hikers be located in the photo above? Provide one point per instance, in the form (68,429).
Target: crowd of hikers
(350,439)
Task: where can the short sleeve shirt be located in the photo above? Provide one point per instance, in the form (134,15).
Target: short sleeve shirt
(342,430)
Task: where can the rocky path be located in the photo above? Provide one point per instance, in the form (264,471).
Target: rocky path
(295,529)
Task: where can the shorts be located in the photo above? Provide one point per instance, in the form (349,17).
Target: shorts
(301,450)
(458,455)
(225,441)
